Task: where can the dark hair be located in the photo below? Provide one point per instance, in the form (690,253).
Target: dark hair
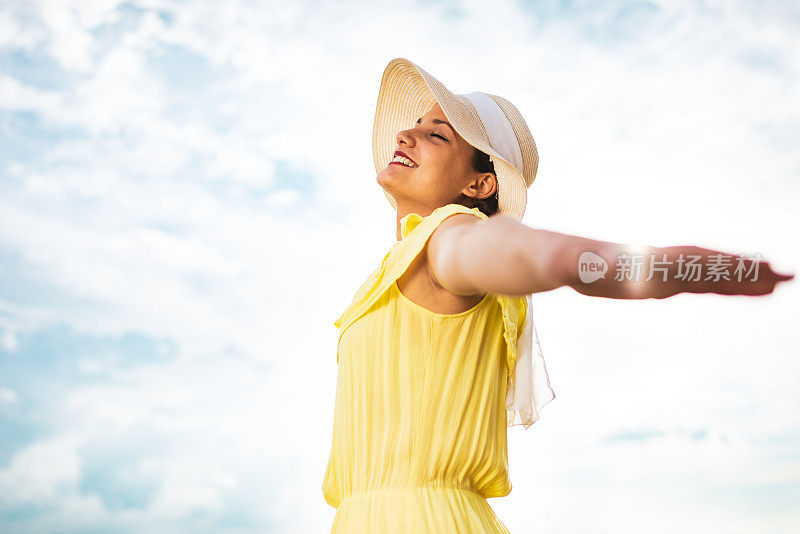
(488,206)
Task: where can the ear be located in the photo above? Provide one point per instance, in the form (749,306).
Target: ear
(483,186)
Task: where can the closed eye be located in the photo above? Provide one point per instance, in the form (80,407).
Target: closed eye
(439,136)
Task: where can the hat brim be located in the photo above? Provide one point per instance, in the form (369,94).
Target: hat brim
(406,93)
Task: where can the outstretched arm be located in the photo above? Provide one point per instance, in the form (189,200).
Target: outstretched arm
(468,256)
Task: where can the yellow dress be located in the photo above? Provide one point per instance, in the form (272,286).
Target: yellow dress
(419,434)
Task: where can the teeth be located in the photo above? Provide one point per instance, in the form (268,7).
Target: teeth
(405,161)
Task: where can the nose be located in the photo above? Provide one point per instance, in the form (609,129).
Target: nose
(406,137)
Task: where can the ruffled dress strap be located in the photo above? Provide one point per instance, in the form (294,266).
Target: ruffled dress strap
(415,231)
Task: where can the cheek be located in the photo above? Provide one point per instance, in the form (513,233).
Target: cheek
(442,161)
(442,169)
(453,168)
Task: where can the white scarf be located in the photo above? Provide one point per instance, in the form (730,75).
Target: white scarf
(530,385)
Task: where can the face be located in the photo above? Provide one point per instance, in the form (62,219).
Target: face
(440,167)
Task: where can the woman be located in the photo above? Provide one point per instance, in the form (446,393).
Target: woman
(437,352)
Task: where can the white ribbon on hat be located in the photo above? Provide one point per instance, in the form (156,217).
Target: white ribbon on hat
(530,387)
(501,134)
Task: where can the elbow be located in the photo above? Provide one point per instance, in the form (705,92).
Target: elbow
(548,259)
(559,266)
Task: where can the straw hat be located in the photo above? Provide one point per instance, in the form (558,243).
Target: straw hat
(490,123)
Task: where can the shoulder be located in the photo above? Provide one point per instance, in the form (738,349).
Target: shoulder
(453,219)
(448,231)
(454,222)
(444,240)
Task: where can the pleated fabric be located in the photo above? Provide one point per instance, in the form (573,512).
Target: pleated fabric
(419,435)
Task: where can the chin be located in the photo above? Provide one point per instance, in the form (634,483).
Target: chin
(387,180)
(396,184)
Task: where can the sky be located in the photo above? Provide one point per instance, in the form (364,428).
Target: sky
(188,201)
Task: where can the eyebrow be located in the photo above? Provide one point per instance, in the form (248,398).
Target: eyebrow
(438,121)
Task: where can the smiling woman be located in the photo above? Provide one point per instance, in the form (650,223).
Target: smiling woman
(430,377)
(437,352)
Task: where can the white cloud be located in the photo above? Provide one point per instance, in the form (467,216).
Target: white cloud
(8,396)
(8,341)
(158,200)
(36,473)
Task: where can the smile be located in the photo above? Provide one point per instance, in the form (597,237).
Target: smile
(401,159)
